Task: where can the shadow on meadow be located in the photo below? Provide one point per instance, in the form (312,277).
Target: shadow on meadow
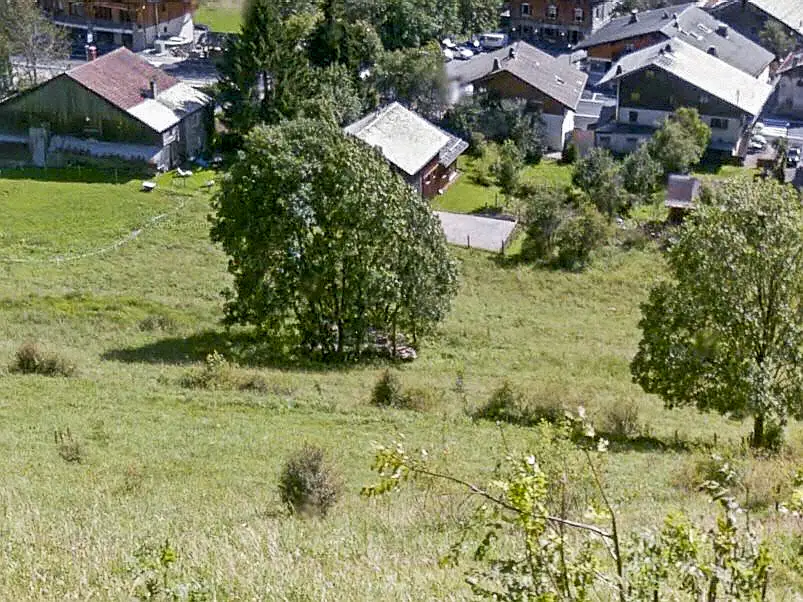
(79,174)
(246,349)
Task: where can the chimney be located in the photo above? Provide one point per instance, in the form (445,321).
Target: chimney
(497,65)
(154,89)
(512,53)
(712,50)
(634,16)
(722,30)
(665,15)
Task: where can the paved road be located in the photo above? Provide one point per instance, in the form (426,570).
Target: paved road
(476,232)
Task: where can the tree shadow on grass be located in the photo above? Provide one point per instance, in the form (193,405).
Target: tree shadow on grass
(645,444)
(245,349)
(79,174)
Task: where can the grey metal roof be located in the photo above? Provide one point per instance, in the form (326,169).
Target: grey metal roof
(694,26)
(793,61)
(700,69)
(788,12)
(556,78)
(406,140)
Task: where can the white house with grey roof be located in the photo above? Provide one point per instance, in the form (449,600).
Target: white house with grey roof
(422,153)
(655,81)
(685,22)
(520,70)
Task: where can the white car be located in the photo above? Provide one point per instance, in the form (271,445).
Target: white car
(759,139)
(447,43)
(464,54)
(448,54)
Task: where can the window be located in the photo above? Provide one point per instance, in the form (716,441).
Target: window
(103,12)
(525,9)
(76,10)
(604,140)
(125,16)
(632,116)
(630,47)
(578,15)
(800,83)
(552,12)
(719,124)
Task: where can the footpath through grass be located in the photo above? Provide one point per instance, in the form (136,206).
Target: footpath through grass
(199,466)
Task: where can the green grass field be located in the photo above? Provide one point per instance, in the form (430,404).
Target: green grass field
(220,15)
(199,467)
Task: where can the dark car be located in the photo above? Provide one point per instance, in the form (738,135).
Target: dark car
(793,157)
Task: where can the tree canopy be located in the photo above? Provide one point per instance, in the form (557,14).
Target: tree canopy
(726,332)
(681,141)
(326,243)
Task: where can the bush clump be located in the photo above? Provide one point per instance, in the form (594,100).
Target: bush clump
(621,420)
(220,374)
(387,391)
(156,322)
(69,448)
(511,406)
(30,358)
(307,484)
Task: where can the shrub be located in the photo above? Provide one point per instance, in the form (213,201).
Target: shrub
(388,391)
(157,322)
(621,420)
(570,153)
(478,145)
(579,235)
(69,448)
(511,406)
(30,358)
(419,399)
(307,484)
(220,374)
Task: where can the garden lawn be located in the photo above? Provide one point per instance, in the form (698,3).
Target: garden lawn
(475,191)
(224,16)
(45,216)
(198,467)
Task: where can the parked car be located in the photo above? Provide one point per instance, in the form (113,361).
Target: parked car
(756,145)
(793,157)
(447,43)
(493,41)
(464,53)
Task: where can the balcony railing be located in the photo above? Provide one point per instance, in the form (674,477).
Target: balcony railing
(96,24)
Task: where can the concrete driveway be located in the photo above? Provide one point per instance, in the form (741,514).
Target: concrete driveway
(476,232)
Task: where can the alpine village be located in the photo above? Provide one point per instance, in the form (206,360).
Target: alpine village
(401,300)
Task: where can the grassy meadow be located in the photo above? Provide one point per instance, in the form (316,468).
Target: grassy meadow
(198,467)
(223,16)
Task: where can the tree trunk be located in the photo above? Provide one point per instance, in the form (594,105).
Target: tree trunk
(758,431)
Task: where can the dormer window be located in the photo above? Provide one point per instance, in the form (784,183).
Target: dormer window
(578,15)
(552,12)
(525,9)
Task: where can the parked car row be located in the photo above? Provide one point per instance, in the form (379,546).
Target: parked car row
(483,43)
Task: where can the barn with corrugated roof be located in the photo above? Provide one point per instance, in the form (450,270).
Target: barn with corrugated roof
(118,106)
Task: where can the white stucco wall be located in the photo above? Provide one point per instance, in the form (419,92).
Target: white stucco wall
(654,118)
(557,126)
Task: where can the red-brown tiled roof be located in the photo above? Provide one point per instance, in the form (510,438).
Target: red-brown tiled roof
(121,77)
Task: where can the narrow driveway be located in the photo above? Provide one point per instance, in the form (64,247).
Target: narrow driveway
(476,232)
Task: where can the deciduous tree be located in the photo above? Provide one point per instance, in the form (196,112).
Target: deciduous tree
(599,175)
(681,141)
(725,333)
(326,242)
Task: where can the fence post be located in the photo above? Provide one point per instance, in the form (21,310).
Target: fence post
(468,241)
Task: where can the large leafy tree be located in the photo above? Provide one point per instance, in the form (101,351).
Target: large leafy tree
(641,173)
(327,243)
(726,332)
(265,76)
(414,77)
(776,37)
(26,32)
(680,142)
(335,39)
(600,176)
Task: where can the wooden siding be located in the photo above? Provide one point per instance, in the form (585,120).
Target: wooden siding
(658,90)
(565,16)
(67,108)
(614,50)
(121,11)
(507,85)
